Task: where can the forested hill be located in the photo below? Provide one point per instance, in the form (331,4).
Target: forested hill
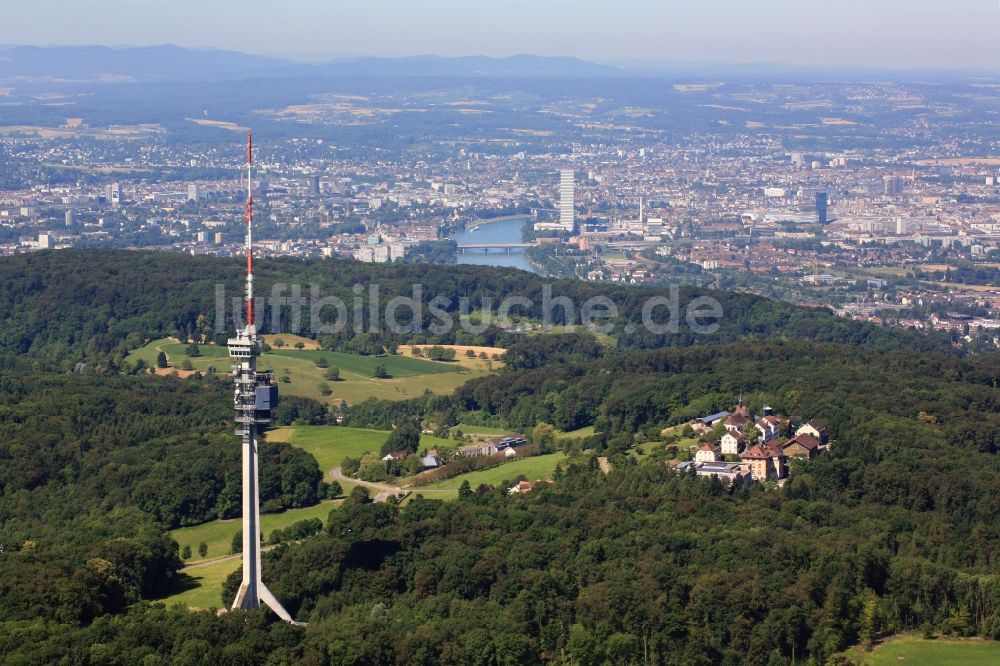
(894,528)
(60,308)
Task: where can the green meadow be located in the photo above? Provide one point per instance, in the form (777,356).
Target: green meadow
(203,585)
(218,534)
(331,444)
(299,375)
(913,650)
(534,468)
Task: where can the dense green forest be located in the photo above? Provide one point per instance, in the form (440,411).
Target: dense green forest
(66,307)
(895,528)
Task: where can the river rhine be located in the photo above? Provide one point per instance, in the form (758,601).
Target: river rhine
(504,231)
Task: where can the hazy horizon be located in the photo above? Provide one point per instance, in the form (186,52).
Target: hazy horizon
(890,34)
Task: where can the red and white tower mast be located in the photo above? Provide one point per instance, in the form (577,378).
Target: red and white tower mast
(256,394)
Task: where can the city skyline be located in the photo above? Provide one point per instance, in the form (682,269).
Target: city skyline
(891,33)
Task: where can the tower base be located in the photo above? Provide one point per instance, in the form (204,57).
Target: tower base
(245,600)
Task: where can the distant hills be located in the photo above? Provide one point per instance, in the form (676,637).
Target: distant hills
(174,63)
(94,63)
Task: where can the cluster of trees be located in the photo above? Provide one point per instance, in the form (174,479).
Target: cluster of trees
(435,353)
(299,410)
(432,252)
(302,529)
(403,440)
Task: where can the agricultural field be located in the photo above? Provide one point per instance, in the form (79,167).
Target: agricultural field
(462,359)
(534,468)
(218,534)
(288,340)
(915,651)
(299,375)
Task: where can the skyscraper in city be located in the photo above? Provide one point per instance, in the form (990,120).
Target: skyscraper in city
(822,202)
(567,198)
(314,185)
(892,185)
(113,193)
(193,192)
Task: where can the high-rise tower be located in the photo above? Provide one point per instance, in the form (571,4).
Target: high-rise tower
(256,395)
(822,205)
(567,198)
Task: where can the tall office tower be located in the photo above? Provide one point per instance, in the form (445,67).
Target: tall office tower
(70,218)
(193,192)
(567,199)
(113,193)
(892,185)
(822,202)
(314,185)
(255,396)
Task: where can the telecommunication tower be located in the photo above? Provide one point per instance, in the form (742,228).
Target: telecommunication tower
(256,394)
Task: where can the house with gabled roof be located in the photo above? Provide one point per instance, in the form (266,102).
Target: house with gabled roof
(815,429)
(707,453)
(803,446)
(736,423)
(769,427)
(767,461)
(730,444)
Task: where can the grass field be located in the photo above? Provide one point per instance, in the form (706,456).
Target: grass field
(582,432)
(218,534)
(645,449)
(204,585)
(331,444)
(289,340)
(915,651)
(409,377)
(534,468)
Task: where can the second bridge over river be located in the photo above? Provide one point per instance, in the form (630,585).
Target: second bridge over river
(486,247)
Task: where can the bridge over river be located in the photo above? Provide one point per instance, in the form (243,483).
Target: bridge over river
(486,247)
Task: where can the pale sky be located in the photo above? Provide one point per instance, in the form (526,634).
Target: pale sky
(885,33)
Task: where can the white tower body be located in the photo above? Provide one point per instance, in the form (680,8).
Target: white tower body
(256,394)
